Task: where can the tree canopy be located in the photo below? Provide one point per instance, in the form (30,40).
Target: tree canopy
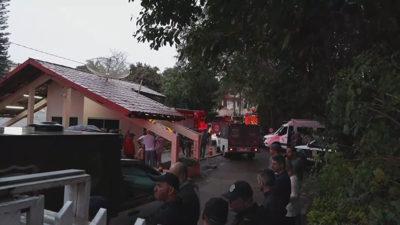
(335,60)
(148,75)
(4,42)
(187,88)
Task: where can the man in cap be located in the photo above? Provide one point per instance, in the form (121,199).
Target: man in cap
(166,190)
(215,212)
(240,197)
(188,192)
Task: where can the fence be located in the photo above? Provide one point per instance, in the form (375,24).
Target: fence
(16,208)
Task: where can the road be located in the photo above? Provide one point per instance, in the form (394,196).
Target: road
(214,182)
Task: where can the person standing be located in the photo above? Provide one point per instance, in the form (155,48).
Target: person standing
(159,148)
(204,142)
(274,151)
(274,209)
(296,162)
(283,183)
(129,147)
(188,192)
(215,212)
(166,190)
(148,142)
(240,198)
(293,208)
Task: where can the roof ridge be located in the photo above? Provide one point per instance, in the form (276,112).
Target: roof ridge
(128,82)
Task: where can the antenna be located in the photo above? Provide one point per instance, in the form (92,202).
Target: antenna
(139,87)
(109,67)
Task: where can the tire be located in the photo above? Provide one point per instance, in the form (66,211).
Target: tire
(218,149)
(250,156)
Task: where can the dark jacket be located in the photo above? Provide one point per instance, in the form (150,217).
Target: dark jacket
(275,210)
(283,187)
(254,215)
(189,193)
(204,138)
(170,214)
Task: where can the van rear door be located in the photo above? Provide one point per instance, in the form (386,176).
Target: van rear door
(251,136)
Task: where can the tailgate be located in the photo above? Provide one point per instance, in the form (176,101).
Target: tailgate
(251,136)
(236,134)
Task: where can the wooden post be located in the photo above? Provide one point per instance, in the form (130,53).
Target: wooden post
(64,217)
(66,107)
(31,105)
(35,213)
(175,150)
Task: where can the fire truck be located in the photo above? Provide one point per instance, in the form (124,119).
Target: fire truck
(195,119)
(238,139)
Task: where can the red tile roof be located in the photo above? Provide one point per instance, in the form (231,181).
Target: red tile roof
(116,93)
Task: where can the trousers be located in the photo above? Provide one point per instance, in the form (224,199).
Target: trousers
(149,158)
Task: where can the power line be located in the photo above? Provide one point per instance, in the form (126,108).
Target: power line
(45,53)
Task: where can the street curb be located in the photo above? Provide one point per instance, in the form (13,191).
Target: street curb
(209,157)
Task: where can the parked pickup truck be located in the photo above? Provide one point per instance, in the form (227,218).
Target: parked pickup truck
(239,139)
(125,184)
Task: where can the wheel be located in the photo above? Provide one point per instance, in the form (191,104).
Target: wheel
(250,156)
(218,149)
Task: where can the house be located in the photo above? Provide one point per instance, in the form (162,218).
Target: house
(74,97)
(233,105)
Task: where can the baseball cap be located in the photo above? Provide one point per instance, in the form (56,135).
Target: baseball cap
(216,210)
(169,178)
(240,189)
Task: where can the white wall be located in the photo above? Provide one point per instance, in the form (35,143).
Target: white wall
(94,110)
(55,102)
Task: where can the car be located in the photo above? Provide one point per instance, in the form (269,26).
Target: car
(137,192)
(309,152)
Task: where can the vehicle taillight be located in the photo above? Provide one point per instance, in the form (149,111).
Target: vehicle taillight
(231,149)
(255,149)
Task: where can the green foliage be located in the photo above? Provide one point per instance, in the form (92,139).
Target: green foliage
(83,68)
(334,60)
(364,106)
(4,42)
(147,74)
(191,88)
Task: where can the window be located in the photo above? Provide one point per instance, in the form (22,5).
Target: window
(104,123)
(283,131)
(137,182)
(72,120)
(304,130)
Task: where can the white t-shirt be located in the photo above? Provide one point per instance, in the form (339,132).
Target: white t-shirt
(148,141)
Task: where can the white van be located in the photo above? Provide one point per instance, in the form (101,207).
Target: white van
(286,133)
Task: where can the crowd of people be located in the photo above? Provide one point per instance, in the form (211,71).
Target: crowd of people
(280,184)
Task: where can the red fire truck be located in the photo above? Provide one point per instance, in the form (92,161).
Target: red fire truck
(239,139)
(195,119)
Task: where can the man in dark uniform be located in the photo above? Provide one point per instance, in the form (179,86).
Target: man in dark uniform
(166,190)
(188,192)
(215,212)
(240,197)
(275,210)
(282,182)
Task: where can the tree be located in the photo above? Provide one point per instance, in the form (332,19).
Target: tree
(4,43)
(190,88)
(145,74)
(334,60)
(83,68)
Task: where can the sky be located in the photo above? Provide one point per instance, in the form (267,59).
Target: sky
(79,30)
